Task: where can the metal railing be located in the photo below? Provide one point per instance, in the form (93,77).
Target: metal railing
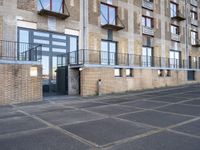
(194,2)
(147,30)
(105,58)
(10,50)
(147,4)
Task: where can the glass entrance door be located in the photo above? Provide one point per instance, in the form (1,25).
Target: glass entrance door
(55,47)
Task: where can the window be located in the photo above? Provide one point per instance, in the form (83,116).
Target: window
(52,5)
(173,9)
(108,14)
(174,29)
(147,56)
(174,59)
(73,50)
(118,72)
(147,22)
(129,72)
(108,52)
(194,37)
(168,73)
(160,73)
(193,15)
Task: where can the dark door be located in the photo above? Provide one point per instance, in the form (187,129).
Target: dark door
(62,80)
(191,75)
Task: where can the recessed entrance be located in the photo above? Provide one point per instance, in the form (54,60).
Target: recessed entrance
(55,47)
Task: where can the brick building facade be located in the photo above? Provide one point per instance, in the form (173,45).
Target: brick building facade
(124,44)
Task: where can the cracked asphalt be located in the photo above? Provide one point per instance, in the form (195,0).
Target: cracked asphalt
(160,119)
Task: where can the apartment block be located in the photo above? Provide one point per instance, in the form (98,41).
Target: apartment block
(91,47)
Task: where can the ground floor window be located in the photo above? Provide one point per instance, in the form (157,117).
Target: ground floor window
(108,52)
(118,72)
(147,56)
(129,72)
(174,59)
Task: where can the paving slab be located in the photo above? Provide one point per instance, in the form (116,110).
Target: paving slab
(188,95)
(19,124)
(44,108)
(155,118)
(32,103)
(170,99)
(106,131)
(193,102)
(190,128)
(118,100)
(46,139)
(182,109)
(85,104)
(144,104)
(161,141)
(68,117)
(10,114)
(111,110)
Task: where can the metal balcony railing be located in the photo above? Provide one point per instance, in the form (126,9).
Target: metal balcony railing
(147,30)
(195,43)
(194,2)
(194,22)
(175,37)
(62,12)
(148,5)
(178,15)
(105,58)
(10,50)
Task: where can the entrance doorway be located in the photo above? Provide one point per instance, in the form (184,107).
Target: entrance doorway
(55,47)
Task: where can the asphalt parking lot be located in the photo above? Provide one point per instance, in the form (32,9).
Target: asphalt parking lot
(161,119)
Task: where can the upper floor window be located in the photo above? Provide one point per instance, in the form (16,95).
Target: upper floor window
(174,29)
(193,15)
(108,14)
(146,21)
(51,5)
(173,9)
(194,37)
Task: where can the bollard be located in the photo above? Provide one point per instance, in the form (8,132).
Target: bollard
(99,87)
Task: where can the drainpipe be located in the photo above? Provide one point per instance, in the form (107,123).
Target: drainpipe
(84,24)
(186,35)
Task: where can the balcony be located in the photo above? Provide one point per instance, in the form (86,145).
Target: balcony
(178,16)
(115,25)
(194,22)
(194,2)
(17,51)
(109,17)
(94,58)
(196,43)
(147,30)
(148,5)
(62,13)
(175,37)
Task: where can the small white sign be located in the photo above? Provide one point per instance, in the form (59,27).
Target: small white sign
(33,72)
